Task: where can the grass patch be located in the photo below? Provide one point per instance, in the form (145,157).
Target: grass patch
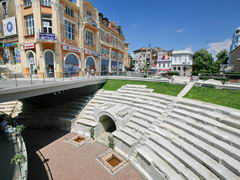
(224,97)
(158,87)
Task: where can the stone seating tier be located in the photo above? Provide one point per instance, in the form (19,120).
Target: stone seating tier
(173,138)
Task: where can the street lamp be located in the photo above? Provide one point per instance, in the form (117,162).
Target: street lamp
(4,6)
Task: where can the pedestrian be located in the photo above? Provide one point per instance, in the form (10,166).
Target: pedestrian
(92,72)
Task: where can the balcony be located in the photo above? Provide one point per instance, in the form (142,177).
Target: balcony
(90,20)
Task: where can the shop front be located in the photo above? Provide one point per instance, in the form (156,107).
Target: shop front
(49,58)
(10,53)
(72,61)
(71,65)
(104,66)
(114,66)
(90,64)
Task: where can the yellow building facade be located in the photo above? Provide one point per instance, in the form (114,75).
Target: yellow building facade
(60,38)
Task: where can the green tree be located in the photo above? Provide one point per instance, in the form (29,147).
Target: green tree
(222,57)
(203,62)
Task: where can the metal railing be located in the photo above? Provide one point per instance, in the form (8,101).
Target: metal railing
(17,80)
(9,80)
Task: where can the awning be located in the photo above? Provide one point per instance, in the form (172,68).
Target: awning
(8,44)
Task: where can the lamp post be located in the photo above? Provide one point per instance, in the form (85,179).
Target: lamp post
(4,6)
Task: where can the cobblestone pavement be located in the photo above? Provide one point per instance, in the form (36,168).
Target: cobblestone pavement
(65,161)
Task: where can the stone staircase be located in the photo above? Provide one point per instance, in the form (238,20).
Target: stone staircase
(171,137)
(8,107)
(58,116)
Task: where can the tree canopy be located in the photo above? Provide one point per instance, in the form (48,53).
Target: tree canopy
(222,57)
(203,62)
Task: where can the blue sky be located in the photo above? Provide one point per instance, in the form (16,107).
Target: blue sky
(174,24)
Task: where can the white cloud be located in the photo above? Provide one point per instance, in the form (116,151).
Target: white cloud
(216,47)
(189,48)
(180,30)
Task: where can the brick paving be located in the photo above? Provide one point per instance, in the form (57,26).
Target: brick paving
(69,162)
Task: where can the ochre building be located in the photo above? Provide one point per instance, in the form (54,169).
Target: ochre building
(62,38)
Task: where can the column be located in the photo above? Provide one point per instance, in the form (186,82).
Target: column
(20,30)
(40,63)
(56,24)
(110,61)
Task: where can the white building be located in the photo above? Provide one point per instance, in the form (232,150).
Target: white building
(182,61)
(164,61)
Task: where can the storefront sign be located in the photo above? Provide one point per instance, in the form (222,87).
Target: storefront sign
(9,26)
(29,46)
(47,36)
(90,52)
(71,48)
(8,44)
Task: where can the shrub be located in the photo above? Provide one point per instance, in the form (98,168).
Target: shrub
(195,73)
(173,73)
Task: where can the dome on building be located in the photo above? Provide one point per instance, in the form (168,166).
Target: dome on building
(235,39)
(237,32)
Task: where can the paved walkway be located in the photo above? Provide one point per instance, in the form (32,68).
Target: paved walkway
(25,82)
(65,161)
(186,89)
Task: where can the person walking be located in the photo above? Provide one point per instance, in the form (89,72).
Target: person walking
(92,72)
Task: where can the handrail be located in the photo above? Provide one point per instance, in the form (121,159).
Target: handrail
(45,161)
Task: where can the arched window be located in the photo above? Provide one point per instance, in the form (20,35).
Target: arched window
(71,64)
(31,62)
(90,63)
(49,62)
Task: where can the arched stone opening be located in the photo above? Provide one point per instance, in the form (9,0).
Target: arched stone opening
(107,123)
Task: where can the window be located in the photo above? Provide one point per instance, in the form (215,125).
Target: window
(89,38)
(69,30)
(105,51)
(174,68)
(47,23)
(107,38)
(114,54)
(69,11)
(89,14)
(46,2)
(29,24)
(27,3)
(179,68)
